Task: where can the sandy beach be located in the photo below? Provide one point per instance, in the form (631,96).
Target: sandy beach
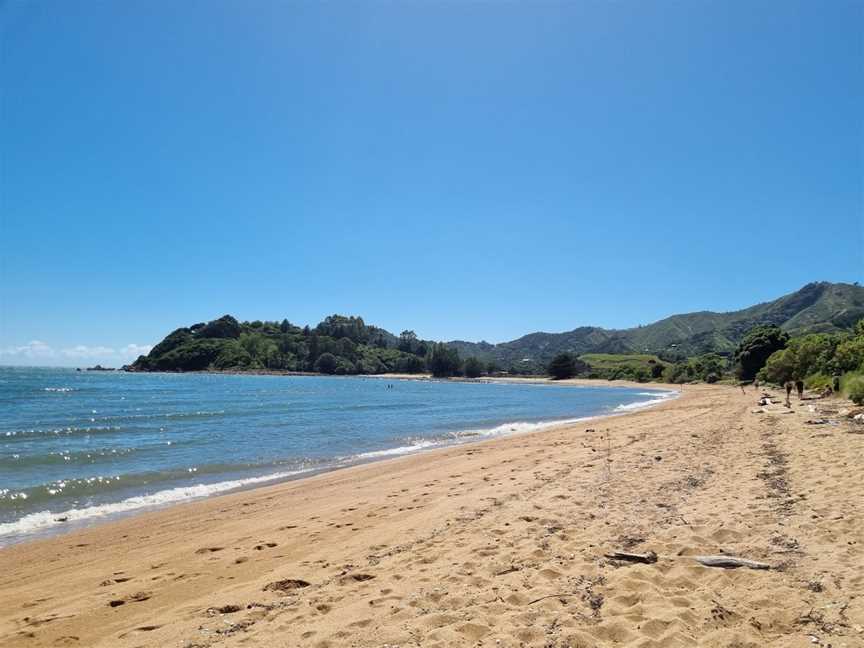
(500,543)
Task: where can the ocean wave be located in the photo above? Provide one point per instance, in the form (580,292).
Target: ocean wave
(401,450)
(60,431)
(43,520)
(59,389)
(659,397)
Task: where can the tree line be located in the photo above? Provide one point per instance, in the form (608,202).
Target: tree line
(339,345)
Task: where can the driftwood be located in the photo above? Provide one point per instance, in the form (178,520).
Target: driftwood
(647,558)
(730,562)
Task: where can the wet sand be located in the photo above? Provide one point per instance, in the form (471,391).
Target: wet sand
(499,543)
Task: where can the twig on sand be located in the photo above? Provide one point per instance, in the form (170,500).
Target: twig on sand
(730,562)
(562,595)
(647,558)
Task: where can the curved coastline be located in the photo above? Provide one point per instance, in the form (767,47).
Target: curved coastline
(44,524)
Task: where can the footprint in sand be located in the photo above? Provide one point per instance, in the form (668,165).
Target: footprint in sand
(224,609)
(265,545)
(286,585)
(206,550)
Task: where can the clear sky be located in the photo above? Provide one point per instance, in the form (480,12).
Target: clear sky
(473,170)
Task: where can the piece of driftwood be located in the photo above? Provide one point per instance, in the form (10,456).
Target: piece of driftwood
(647,558)
(730,562)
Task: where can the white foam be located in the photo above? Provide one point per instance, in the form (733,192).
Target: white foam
(47,519)
(59,389)
(401,450)
(658,398)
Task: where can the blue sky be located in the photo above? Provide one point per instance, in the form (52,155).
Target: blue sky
(468,170)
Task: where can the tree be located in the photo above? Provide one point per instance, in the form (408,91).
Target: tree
(407,341)
(285,326)
(473,368)
(850,354)
(780,367)
(563,366)
(443,361)
(224,327)
(755,349)
(326,363)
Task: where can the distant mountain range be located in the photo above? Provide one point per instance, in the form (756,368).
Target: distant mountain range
(347,345)
(820,307)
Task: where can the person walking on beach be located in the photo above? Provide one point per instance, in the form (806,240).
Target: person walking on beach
(799,385)
(788,393)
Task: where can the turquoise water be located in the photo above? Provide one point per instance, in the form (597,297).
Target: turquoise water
(79,446)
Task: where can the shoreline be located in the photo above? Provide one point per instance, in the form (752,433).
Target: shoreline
(60,523)
(544,380)
(498,543)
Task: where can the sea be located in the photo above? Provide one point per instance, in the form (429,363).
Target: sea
(78,447)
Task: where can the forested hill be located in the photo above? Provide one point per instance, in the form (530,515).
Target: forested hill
(816,308)
(347,345)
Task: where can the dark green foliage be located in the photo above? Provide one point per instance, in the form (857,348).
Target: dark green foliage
(631,366)
(563,366)
(194,356)
(224,327)
(473,368)
(172,341)
(233,356)
(755,349)
(281,346)
(817,358)
(410,364)
(326,363)
(443,361)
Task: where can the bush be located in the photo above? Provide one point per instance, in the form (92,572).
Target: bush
(473,368)
(756,347)
(855,389)
(563,366)
(850,354)
(410,364)
(444,361)
(780,367)
(326,363)
(224,327)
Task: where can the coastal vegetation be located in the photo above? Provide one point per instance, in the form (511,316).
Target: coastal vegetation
(821,360)
(810,335)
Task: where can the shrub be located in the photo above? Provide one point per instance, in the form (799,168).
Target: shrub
(444,361)
(850,354)
(563,366)
(855,389)
(224,327)
(780,367)
(756,347)
(473,368)
(326,363)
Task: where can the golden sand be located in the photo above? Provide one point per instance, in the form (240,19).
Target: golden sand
(497,544)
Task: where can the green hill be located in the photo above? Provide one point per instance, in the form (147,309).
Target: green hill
(816,308)
(347,345)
